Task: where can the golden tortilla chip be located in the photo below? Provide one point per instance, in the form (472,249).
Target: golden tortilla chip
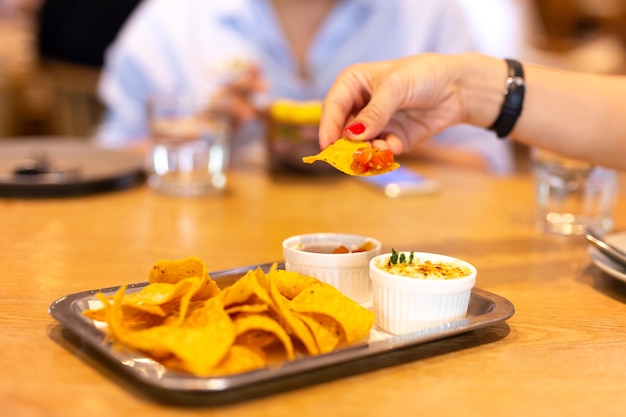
(292,323)
(340,154)
(172,285)
(118,329)
(290,283)
(240,359)
(199,344)
(355,320)
(146,316)
(172,271)
(103,313)
(327,332)
(247,308)
(256,338)
(247,290)
(97,314)
(160,294)
(207,290)
(253,329)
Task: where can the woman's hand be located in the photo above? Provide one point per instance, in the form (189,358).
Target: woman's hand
(396,104)
(237,93)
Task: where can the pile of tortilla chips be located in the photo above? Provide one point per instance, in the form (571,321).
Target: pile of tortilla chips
(186,322)
(340,154)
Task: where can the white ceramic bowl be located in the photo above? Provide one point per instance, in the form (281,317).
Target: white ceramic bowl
(348,272)
(404,304)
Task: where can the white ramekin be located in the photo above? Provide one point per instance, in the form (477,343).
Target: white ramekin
(348,272)
(403,304)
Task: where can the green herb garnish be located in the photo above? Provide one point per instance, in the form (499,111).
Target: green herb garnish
(400,258)
(394,257)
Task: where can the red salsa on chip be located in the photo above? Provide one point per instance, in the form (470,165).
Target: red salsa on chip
(371,159)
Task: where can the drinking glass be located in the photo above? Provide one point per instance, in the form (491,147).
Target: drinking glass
(572,194)
(190,150)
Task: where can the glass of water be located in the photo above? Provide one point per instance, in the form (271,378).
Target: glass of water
(190,151)
(572,194)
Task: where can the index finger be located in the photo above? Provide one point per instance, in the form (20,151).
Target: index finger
(344,98)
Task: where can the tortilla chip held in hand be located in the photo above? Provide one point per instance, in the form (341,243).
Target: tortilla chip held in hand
(355,158)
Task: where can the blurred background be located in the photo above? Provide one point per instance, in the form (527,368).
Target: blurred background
(50,61)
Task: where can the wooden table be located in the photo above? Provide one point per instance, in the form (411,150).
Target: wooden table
(562,353)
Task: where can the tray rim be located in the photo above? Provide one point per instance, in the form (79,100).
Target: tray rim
(64,310)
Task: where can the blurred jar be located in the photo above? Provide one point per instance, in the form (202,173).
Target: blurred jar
(292,132)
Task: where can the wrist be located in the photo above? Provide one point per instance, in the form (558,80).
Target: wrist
(480,82)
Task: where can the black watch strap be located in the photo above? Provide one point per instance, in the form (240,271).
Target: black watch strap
(514,91)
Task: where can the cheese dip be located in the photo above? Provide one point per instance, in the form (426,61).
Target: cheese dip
(426,269)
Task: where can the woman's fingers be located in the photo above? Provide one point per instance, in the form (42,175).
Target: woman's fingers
(357,106)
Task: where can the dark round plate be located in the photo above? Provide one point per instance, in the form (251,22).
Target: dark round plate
(59,167)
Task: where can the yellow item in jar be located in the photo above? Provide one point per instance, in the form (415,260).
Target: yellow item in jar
(296,112)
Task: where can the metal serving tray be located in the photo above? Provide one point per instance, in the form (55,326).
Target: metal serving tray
(485,309)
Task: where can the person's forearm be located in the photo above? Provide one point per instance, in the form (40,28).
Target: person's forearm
(583,115)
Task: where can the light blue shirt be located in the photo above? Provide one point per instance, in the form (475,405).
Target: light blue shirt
(178,46)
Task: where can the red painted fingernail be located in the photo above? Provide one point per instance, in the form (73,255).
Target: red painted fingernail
(355,128)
